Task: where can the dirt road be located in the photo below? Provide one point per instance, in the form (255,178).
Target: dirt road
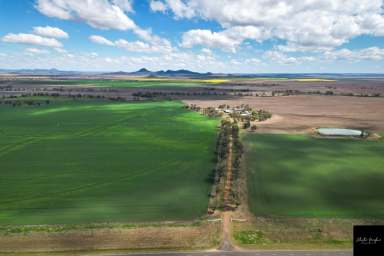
(228,182)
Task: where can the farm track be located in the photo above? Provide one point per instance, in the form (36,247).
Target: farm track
(226,244)
(228,182)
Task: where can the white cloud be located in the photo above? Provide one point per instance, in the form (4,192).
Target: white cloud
(206,51)
(50,32)
(181,9)
(228,39)
(139,46)
(157,45)
(56,9)
(365,54)
(33,51)
(371,53)
(136,46)
(253,61)
(209,39)
(101,40)
(178,7)
(60,50)
(307,25)
(158,6)
(125,5)
(235,62)
(31,39)
(103,14)
(292,47)
(282,58)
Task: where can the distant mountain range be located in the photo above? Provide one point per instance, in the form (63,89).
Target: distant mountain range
(181,73)
(142,72)
(40,72)
(169,73)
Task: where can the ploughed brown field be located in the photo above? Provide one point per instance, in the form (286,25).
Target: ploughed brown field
(302,112)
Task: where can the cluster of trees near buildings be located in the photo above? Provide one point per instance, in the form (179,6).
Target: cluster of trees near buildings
(243,114)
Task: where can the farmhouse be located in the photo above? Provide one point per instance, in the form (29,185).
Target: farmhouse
(228,111)
(239,110)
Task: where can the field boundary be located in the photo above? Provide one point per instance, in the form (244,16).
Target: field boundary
(135,237)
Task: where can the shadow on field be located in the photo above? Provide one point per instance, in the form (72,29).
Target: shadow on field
(294,175)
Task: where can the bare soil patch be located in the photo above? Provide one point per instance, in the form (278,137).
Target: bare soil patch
(205,235)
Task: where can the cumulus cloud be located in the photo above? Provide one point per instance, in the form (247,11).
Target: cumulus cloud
(365,54)
(158,6)
(293,47)
(135,46)
(31,39)
(371,53)
(100,40)
(206,51)
(33,51)
(253,61)
(60,50)
(228,39)
(125,5)
(50,32)
(181,9)
(102,14)
(307,25)
(282,58)
(178,7)
(209,39)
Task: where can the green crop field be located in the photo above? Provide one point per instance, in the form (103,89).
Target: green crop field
(99,161)
(296,175)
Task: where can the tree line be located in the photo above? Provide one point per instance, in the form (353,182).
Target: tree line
(218,177)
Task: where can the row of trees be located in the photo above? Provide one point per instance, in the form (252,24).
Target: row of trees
(19,103)
(237,153)
(56,95)
(228,131)
(218,174)
(162,94)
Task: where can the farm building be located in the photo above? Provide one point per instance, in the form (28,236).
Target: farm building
(341,132)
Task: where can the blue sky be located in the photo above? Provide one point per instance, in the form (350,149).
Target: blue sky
(243,36)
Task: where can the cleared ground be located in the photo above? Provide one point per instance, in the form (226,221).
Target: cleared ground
(87,161)
(296,175)
(105,239)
